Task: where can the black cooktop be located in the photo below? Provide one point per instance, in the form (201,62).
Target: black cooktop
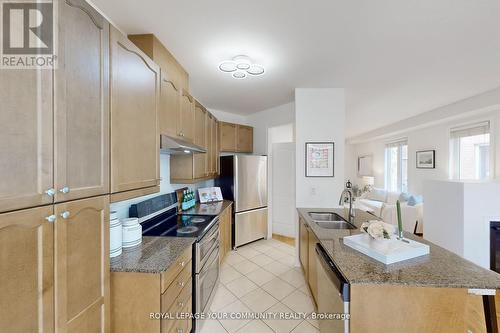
(169,223)
(172,224)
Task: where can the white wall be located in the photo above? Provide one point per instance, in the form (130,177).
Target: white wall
(433,137)
(165,187)
(319,116)
(229,117)
(262,121)
(457,216)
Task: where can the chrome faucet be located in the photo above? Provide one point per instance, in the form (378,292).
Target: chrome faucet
(342,200)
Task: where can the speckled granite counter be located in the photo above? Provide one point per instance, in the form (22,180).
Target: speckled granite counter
(215,208)
(154,255)
(440,268)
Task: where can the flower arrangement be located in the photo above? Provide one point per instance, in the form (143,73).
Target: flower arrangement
(378,229)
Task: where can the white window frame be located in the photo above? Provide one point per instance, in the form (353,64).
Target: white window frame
(453,170)
(399,143)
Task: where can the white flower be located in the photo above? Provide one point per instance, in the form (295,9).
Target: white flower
(378,229)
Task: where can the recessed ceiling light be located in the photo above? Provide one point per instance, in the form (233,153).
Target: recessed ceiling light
(239,75)
(241,66)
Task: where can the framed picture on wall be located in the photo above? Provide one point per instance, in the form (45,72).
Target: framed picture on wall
(426,159)
(320,159)
(365,165)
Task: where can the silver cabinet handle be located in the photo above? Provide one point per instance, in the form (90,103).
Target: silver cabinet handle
(180,330)
(64,190)
(50,192)
(183,263)
(65,215)
(51,218)
(180,304)
(181,284)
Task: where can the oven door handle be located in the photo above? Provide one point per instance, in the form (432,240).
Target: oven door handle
(209,263)
(213,235)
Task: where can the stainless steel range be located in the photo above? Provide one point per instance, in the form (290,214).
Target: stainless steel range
(158,217)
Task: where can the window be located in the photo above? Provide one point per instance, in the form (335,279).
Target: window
(470,152)
(396,166)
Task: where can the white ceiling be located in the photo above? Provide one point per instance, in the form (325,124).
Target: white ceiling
(396,58)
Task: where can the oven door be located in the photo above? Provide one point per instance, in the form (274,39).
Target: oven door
(206,245)
(206,281)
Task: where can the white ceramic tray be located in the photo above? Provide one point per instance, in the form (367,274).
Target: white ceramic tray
(387,251)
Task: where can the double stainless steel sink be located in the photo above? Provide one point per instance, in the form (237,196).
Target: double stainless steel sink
(329,220)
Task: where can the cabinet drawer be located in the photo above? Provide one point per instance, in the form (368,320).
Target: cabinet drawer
(181,325)
(181,263)
(183,279)
(179,306)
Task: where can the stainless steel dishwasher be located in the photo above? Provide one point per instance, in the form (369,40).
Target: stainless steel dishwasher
(334,295)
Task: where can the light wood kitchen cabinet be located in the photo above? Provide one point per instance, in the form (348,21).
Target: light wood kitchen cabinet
(26,140)
(169,112)
(311,265)
(225,222)
(227,136)
(134,296)
(200,116)
(304,247)
(235,138)
(135,81)
(27,270)
(213,148)
(81,109)
(244,141)
(82,265)
(187,117)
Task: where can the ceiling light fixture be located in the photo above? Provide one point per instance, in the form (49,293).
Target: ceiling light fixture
(241,67)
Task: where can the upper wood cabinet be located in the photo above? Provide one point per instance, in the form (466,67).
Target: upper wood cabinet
(27,270)
(170,106)
(235,138)
(26,140)
(82,265)
(187,117)
(135,82)
(81,110)
(244,139)
(227,136)
(200,116)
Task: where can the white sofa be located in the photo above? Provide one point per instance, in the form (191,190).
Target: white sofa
(382,203)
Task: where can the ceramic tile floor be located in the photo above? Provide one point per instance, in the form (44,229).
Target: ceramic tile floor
(261,277)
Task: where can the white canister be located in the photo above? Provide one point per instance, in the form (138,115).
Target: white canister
(115,237)
(131,232)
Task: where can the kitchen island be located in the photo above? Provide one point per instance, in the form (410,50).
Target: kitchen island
(438,292)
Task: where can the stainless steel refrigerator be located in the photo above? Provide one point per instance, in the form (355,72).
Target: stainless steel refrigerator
(243,179)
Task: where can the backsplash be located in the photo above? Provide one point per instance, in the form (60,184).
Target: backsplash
(122,207)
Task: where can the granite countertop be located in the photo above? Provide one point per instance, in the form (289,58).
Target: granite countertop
(440,268)
(153,255)
(214,208)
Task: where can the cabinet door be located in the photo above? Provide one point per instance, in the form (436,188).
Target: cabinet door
(312,278)
(304,246)
(227,137)
(208,135)
(26,144)
(187,117)
(199,131)
(213,146)
(82,265)
(245,139)
(81,103)
(135,149)
(27,271)
(199,165)
(170,106)
(217,148)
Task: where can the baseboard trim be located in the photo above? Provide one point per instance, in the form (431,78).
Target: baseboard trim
(285,239)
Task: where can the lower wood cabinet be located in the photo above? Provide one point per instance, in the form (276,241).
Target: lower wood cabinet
(225,225)
(304,246)
(307,256)
(27,271)
(138,299)
(54,268)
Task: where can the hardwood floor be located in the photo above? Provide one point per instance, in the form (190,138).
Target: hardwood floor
(284,239)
